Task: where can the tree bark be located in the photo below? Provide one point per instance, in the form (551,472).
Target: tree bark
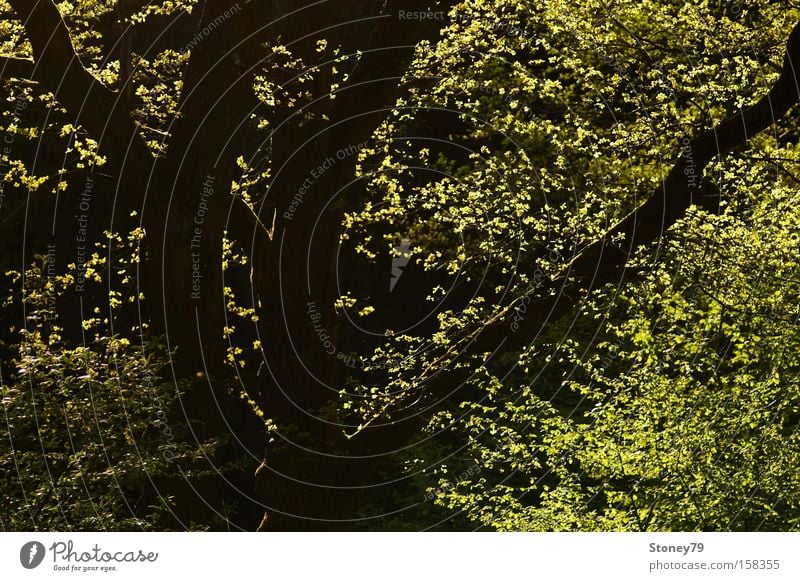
(313,477)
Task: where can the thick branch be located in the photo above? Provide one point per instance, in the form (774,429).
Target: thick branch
(59,69)
(15,67)
(374,84)
(604,261)
(244,224)
(91,104)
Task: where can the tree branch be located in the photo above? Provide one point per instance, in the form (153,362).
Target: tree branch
(15,67)
(244,224)
(604,261)
(91,104)
(59,69)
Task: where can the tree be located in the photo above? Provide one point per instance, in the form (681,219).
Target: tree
(358,220)
(89,426)
(528,401)
(151,126)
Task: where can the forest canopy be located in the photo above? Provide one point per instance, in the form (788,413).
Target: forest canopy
(505,265)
